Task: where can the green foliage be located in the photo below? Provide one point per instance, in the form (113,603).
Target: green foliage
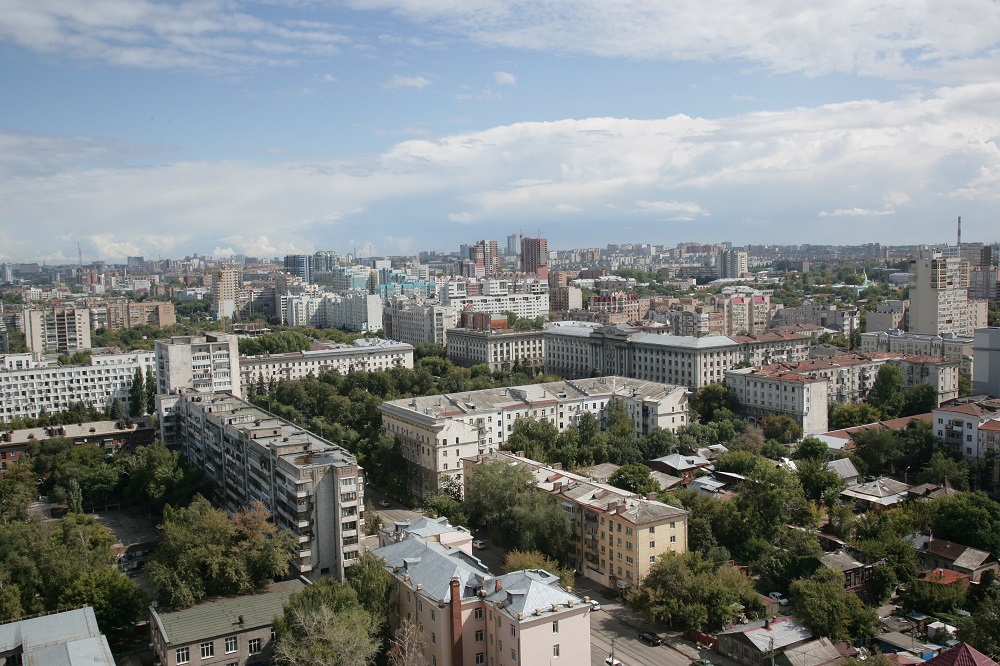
(635,478)
(851,414)
(274,343)
(941,467)
(972,519)
(809,448)
(117,600)
(205,553)
(780,427)
(423,350)
(819,483)
(372,583)
(981,629)
(933,598)
(714,401)
(769,498)
(517,560)
(918,399)
(326,624)
(18,487)
(689,592)
(886,394)
(137,394)
(826,609)
(76,358)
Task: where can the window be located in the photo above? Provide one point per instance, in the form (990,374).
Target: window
(512,630)
(652,544)
(673,539)
(207,650)
(555,650)
(513,654)
(182,655)
(253,645)
(480,658)
(499,646)
(555,627)
(433,616)
(479,635)
(652,559)
(434,638)
(479,614)
(230,644)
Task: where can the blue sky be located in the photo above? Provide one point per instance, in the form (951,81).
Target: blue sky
(394,126)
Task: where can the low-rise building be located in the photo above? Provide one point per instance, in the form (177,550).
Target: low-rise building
(437,431)
(69,637)
(497,348)
(619,534)
(313,488)
(225,631)
(971,427)
(752,644)
(366,355)
(937,553)
(827,316)
(949,346)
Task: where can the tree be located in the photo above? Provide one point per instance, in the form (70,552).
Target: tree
(781,427)
(827,609)
(714,401)
(150,390)
(941,467)
(372,583)
(137,394)
(116,410)
(518,560)
(878,449)
(635,478)
(810,447)
(972,519)
(886,394)
(819,482)
(919,399)
(154,475)
(324,624)
(407,645)
(933,597)
(981,629)
(117,600)
(769,498)
(18,487)
(850,414)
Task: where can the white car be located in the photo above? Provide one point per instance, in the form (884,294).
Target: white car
(779,597)
(479,543)
(383,503)
(611,661)
(595,604)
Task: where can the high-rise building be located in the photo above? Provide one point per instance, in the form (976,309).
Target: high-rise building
(300,265)
(324,261)
(63,330)
(205,363)
(487,253)
(733,263)
(939,297)
(535,256)
(225,291)
(986,361)
(512,245)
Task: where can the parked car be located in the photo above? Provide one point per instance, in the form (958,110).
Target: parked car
(611,661)
(479,543)
(779,597)
(383,503)
(650,638)
(703,662)
(595,604)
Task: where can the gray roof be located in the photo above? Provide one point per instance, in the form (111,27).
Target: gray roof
(681,462)
(528,590)
(813,653)
(840,561)
(221,616)
(433,566)
(783,631)
(70,638)
(426,527)
(844,468)
(684,341)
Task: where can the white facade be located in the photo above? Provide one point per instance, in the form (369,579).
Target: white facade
(438,431)
(205,363)
(313,488)
(764,392)
(949,346)
(366,355)
(500,348)
(939,297)
(970,427)
(28,386)
(526,305)
(62,330)
(353,311)
(410,320)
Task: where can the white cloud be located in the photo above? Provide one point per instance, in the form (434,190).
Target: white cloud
(764,177)
(399,81)
(884,38)
(504,79)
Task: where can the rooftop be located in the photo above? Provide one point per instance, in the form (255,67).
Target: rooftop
(69,638)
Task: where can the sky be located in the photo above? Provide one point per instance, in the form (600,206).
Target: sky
(164,129)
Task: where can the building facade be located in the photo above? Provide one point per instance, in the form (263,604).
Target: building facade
(827,316)
(763,392)
(313,488)
(986,350)
(62,330)
(950,347)
(535,256)
(939,297)
(205,363)
(436,432)
(498,348)
(413,321)
(367,355)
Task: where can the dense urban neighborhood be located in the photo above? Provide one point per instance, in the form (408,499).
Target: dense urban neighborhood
(635,454)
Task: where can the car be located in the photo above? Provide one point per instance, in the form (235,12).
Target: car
(479,543)
(383,503)
(779,597)
(595,604)
(611,661)
(650,638)
(702,662)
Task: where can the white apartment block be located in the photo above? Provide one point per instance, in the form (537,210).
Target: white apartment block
(888,316)
(469,616)
(827,316)
(762,392)
(313,488)
(579,349)
(206,363)
(986,349)
(60,330)
(744,310)
(412,320)
(948,346)
(939,297)
(28,386)
(366,355)
(619,535)
(498,348)
(353,311)
(526,305)
(972,427)
(436,432)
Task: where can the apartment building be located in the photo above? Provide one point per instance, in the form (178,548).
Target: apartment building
(225,292)
(225,631)
(469,616)
(619,534)
(436,432)
(580,349)
(353,311)
(120,314)
(366,355)
(888,316)
(986,350)
(112,436)
(565,298)
(498,348)
(951,347)
(29,386)
(413,321)
(524,305)
(205,363)
(939,297)
(745,311)
(828,316)
(61,330)
(626,306)
(970,426)
(313,488)
(733,263)
(762,392)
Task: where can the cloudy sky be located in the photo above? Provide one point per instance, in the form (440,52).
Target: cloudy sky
(393,126)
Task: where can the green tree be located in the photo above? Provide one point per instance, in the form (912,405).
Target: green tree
(810,447)
(886,394)
(819,482)
(714,401)
(972,519)
(851,414)
(116,410)
(117,600)
(150,390)
(827,609)
(635,478)
(518,560)
(981,629)
(931,597)
(941,467)
(878,449)
(372,583)
(780,427)
(769,498)
(919,399)
(18,487)
(326,624)
(154,475)
(137,394)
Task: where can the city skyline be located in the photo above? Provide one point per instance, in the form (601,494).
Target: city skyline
(395,126)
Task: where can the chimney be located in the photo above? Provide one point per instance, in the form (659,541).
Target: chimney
(651,496)
(456,621)
(499,586)
(767,624)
